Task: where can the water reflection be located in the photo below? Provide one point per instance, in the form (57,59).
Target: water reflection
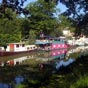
(46,56)
(15,61)
(4,85)
(59,58)
(56,58)
(58,54)
(64,63)
(18,80)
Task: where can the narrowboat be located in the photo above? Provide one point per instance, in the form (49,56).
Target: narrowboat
(16,48)
(59,43)
(51,43)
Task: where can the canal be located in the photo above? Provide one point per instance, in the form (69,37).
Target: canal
(36,69)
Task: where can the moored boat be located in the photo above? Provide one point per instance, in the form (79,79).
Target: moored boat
(59,43)
(51,43)
(16,48)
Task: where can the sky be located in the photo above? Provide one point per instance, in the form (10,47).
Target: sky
(60,6)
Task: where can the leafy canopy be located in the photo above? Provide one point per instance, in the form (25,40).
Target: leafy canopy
(42,16)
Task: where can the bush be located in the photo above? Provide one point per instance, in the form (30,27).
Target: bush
(81,83)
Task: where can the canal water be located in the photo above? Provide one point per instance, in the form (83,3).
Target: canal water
(14,70)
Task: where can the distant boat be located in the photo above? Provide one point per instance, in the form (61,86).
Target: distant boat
(16,48)
(48,43)
(78,42)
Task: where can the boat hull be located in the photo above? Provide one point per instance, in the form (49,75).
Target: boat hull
(10,53)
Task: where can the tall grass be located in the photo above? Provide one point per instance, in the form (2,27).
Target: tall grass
(81,83)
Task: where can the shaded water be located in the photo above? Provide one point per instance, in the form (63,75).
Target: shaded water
(15,69)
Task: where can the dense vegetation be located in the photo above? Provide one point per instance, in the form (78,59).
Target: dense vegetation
(77,10)
(42,16)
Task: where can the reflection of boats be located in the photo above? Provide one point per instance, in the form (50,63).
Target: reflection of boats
(57,64)
(58,53)
(57,59)
(16,61)
(52,54)
(77,49)
(48,43)
(44,56)
(16,48)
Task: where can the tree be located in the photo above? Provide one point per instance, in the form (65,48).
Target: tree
(15,5)
(49,1)
(9,29)
(41,16)
(66,23)
(25,28)
(78,9)
(32,37)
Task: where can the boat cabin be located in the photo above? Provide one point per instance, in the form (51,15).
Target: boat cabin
(15,47)
(58,43)
(50,43)
(19,47)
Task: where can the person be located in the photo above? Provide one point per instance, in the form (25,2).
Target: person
(41,34)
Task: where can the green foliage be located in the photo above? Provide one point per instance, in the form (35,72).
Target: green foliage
(13,28)
(9,28)
(32,37)
(77,10)
(81,83)
(65,23)
(20,86)
(25,28)
(34,82)
(42,16)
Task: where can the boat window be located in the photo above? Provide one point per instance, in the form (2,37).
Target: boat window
(22,45)
(50,39)
(27,48)
(34,47)
(30,47)
(17,45)
(65,41)
(55,39)
(58,39)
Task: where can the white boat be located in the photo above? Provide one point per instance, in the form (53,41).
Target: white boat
(79,42)
(16,48)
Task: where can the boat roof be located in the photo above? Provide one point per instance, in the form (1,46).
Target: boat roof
(41,42)
(17,43)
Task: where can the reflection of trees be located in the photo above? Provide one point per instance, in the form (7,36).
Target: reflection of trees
(9,72)
(43,78)
(33,76)
(74,55)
